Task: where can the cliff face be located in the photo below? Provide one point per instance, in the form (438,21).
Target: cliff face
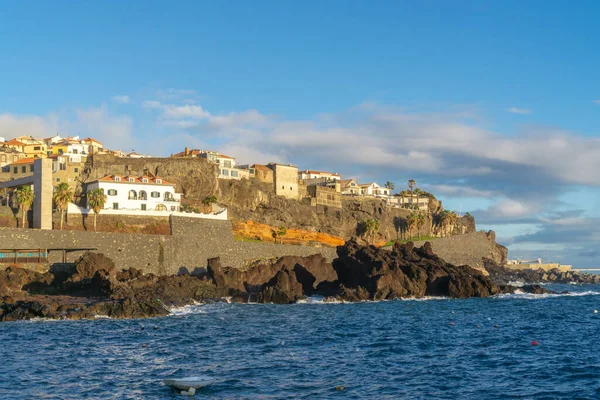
(251,200)
(196,178)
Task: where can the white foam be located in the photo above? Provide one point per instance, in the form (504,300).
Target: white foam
(522,295)
(195,308)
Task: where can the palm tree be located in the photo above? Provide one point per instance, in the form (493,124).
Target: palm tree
(371,227)
(418,192)
(411,184)
(389,185)
(419,221)
(62,196)
(411,223)
(208,201)
(24,196)
(96,199)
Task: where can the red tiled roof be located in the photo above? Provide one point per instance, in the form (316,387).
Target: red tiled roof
(28,160)
(90,140)
(137,179)
(14,142)
(224,156)
(261,167)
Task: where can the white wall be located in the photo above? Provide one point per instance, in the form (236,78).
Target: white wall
(219,215)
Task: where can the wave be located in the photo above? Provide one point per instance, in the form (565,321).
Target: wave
(522,295)
(195,308)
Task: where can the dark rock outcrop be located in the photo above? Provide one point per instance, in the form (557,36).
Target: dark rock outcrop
(405,271)
(502,275)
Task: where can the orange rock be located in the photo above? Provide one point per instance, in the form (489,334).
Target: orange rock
(257,231)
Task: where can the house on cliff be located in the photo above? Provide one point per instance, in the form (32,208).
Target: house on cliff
(137,193)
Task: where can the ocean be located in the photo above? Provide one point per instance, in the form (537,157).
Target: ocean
(415,349)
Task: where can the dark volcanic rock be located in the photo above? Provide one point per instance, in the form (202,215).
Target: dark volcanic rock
(502,275)
(282,281)
(405,271)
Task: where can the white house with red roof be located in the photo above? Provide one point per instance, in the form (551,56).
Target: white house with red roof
(138,193)
(312,174)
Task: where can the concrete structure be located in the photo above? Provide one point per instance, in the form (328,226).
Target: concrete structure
(191,243)
(324,196)
(64,170)
(260,172)
(29,145)
(132,193)
(408,201)
(285,180)
(42,190)
(349,187)
(218,213)
(543,266)
(373,189)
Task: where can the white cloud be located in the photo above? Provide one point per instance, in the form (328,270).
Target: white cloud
(121,99)
(151,104)
(597,102)
(516,110)
(461,191)
(112,130)
(185,111)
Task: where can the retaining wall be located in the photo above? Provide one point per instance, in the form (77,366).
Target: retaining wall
(191,243)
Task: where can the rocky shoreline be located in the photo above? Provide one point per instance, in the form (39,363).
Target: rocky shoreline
(94,287)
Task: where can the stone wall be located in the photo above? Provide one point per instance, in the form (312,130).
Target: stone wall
(469,249)
(192,242)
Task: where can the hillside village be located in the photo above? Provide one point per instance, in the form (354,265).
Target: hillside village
(148,193)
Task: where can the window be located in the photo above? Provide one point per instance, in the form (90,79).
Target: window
(15,170)
(31,168)
(23,169)
(132,195)
(3,158)
(75,151)
(63,167)
(61,151)
(173,208)
(291,188)
(161,207)
(36,148)
(283,187)
(225,172)
(143,207)
(144,180)
(234,174)
(131,180)
(115,206)
(112,192)
(155,195)
(158,181)
(117,179)
(76,170)
(227,164)
(57,179)
(251,171)
(168,196)
(143,195)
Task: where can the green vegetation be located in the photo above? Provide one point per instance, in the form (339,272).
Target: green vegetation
(96,200)
(415,239)
(281,232)
(390,185)
(24,200)
(62,196)
(371,227)
(208,201)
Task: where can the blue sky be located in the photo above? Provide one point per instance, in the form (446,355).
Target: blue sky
(491,105)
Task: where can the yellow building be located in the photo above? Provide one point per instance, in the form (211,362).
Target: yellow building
(31,147)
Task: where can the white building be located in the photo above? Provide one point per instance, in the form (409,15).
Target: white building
(138,193)
(312,174)
(373,189)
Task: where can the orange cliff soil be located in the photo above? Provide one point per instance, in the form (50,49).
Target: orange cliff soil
(256,231)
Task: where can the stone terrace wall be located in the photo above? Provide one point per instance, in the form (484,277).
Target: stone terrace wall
(192,243)
(469,249)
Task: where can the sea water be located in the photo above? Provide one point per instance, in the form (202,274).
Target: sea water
(416,349)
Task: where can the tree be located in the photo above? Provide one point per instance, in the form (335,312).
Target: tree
(390,185)
(411,184)
(96,200)
(208,201)
(371,228)
(281,232)
(62,196)
(24,196)
(419,221)
(411,223)
(418,192)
